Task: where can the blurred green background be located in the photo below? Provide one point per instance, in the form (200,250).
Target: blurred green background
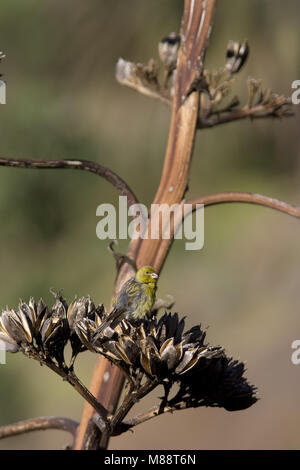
(63,102)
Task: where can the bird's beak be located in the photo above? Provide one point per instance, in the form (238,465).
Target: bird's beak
(154,275)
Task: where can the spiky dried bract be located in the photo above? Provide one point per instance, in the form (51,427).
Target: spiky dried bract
(21,328)
(82,310)
(216,381)
(86,321)
(163,351)
(43,332)
(157,349)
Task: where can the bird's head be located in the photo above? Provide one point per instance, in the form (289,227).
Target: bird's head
(147,275)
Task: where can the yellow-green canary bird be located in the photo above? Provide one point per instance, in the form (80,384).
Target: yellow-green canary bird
(134,300)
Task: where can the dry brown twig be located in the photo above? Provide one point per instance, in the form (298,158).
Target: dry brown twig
(82,165)
(250,198)
(42,423)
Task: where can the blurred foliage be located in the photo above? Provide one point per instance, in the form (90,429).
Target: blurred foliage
(63,101)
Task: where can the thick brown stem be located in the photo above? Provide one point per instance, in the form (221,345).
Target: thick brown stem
(195,30)
(107,381)
(196,27)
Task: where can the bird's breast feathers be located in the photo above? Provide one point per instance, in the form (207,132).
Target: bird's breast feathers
(137,297)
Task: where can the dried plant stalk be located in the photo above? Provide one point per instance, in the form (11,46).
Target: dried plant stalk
(195,31)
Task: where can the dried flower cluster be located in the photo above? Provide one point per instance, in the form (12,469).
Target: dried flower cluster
(265,102)
(162,350)
(214,86)
(217,85)
(157,349)
(35,329)
(146,78)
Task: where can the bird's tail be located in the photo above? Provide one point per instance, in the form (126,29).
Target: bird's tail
(113,318)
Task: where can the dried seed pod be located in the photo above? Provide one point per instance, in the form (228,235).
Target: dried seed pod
(216,381)
(157,347)
(236,55)
(54,335)
(77,312)
(8,343)
(168,49)
(18,325)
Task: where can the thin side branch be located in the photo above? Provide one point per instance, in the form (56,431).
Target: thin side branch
(195,31)
(39,424)
(84,165)
(251,198)
(131,399)
(256,112)
(146,416)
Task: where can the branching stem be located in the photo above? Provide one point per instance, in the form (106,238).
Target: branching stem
(39,424)
(250,198)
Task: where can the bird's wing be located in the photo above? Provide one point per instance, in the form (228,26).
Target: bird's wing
(126,302)
(129,294)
